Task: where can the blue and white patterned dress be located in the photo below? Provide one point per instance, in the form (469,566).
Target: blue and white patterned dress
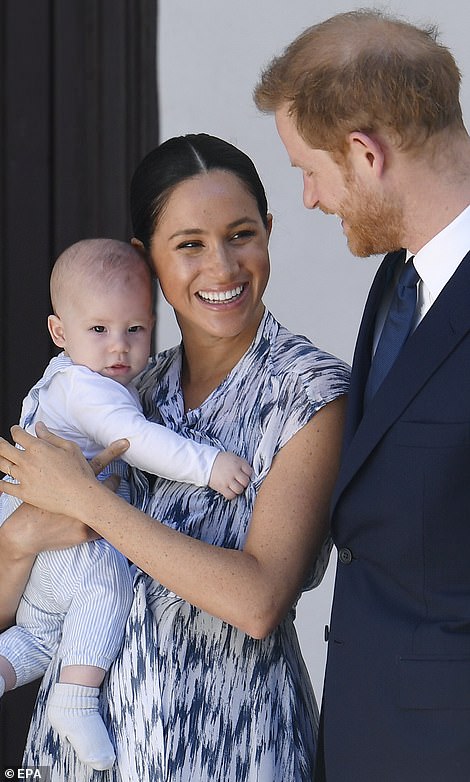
(192,698)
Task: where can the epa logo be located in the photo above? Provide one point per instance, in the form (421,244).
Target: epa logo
(39,773)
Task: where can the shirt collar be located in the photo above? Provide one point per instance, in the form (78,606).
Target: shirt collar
(439,258)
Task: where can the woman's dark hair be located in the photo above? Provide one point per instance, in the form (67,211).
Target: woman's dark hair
(177,160)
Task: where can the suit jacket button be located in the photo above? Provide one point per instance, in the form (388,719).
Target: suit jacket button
(327,633)
(345,556)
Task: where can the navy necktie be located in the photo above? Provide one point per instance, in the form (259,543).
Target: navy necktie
(396,329)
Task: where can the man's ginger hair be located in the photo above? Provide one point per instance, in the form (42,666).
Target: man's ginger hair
(364,71)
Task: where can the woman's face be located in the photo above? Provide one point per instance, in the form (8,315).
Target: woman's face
(210,253)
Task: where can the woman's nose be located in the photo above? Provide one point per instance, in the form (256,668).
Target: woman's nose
(223,260)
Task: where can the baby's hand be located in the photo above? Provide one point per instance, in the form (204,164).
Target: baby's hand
(230,475)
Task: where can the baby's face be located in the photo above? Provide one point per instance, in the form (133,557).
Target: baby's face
(109,330)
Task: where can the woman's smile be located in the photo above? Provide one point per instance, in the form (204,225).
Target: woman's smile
(224,297)
(210,253)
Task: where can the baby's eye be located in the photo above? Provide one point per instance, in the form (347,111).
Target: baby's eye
(134,329)
(98,329)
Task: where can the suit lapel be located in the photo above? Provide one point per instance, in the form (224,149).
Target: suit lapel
(436,337)
(363,349)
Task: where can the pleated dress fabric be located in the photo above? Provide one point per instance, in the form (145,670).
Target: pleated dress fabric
(190,697)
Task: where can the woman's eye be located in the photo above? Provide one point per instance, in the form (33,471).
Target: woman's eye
(192,245)
(98,329)
(247,234)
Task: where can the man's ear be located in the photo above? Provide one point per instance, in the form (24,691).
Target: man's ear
(366,153)
(56,330)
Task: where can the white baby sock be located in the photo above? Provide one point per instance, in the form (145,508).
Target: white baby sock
(2,686)
(73,713)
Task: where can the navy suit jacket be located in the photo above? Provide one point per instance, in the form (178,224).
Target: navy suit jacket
(396,702)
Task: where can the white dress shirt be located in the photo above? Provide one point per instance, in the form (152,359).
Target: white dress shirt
(435,263)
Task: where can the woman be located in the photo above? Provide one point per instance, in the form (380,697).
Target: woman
(210,684)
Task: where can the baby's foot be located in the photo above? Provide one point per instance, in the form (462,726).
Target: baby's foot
(73,713)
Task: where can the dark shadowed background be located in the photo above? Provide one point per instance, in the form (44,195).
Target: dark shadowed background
(79,110)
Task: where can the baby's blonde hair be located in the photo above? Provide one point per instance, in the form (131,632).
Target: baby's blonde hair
(96,263)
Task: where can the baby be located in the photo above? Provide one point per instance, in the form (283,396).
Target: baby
(77,600)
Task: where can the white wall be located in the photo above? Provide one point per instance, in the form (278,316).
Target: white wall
(210,54)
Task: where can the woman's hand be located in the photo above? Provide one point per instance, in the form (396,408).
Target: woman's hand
(252,588)
(52,473)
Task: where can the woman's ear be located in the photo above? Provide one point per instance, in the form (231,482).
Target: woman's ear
(140,248)
(56,330)
(137,243)
(269,224)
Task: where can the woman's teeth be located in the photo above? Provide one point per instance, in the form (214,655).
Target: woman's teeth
(221,295)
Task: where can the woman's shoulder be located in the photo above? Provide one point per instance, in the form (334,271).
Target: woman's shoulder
(296,354)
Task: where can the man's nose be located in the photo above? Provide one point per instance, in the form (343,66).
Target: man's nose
(310,194)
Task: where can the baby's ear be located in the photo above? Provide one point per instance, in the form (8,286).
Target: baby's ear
(56,330)
(137,243)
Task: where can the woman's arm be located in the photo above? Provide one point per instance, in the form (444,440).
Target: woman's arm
(30,530)
(252,589)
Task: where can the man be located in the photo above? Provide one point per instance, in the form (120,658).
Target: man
(368,108)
